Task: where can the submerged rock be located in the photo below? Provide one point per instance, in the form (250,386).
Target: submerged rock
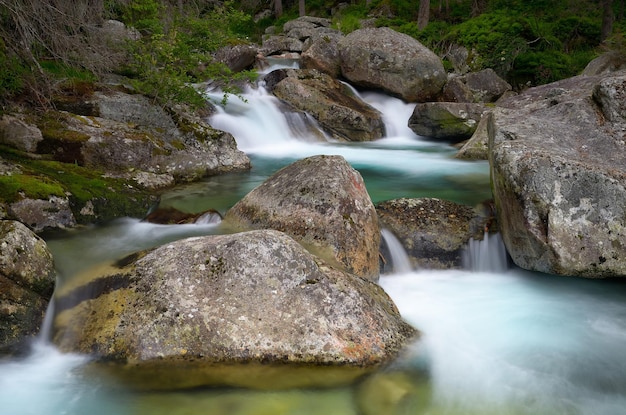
(322,203)
(433,232)
(27,279)
(249,309)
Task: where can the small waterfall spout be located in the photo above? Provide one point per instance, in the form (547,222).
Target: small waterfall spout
(400,262)
(488,255)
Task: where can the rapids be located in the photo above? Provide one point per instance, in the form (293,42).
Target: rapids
(496,339)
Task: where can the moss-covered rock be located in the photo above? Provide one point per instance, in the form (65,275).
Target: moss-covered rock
(27,279)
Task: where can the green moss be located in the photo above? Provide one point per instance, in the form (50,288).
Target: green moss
(36,187)
(111,197)
(53,128)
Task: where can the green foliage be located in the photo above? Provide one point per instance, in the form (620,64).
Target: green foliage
(497,38)
(61,71)
(165,65)
(12,74)
(577,32)
(347,23)
(540,67)
(143,15)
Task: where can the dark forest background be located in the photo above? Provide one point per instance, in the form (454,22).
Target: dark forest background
(57,45)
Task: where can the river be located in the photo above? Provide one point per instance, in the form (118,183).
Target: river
(496,339)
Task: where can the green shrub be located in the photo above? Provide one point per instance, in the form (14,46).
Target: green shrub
(12,74)
(165,65)
(347,23)
(577,33)
(497,38)
(540,67)
(143,15)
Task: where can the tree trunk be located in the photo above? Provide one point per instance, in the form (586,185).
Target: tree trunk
(423,14)
(301,8)
(478,7)
(607,19)
(278,8)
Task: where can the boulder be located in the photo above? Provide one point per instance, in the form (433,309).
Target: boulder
(16,132)
(606,63)
(455,90)
(448,121)
(43,214)
(610,95)
(323,55)
(252,309)
(433,232)
(322,203)
(384,59)
(237,57)
(558,169)
(122,133)
(331,103)
(280,44)
(486,85)
(477,147)
(27,278)
(481,87)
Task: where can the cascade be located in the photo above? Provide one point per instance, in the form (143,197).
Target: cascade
(488,255)
(493,342)
(400,262)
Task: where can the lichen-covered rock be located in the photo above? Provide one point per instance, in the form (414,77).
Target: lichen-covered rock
(610,94)
(237,57)
(558,167)
(42,214)
(17,133)
(434,232)
(477,147)
(27,279)
(249,309)
(118,133)
(331,103)
(280,44)
(384,59)
(449,121)
(323,55)
(321,202)
(608,62)
(486,85)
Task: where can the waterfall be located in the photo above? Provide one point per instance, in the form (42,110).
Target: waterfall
(45,332)
(488,255)
(400,262)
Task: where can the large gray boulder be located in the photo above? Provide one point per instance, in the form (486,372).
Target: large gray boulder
(608,62)
(481,86)
(27,279)
(331,103)
(321,202)
(121,134)
(434,232)
(558,166)
(384,59)
(16,132)
(323,54)
(251,309)
(448,121)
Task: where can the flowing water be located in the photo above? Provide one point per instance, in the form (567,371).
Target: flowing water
(496,340)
